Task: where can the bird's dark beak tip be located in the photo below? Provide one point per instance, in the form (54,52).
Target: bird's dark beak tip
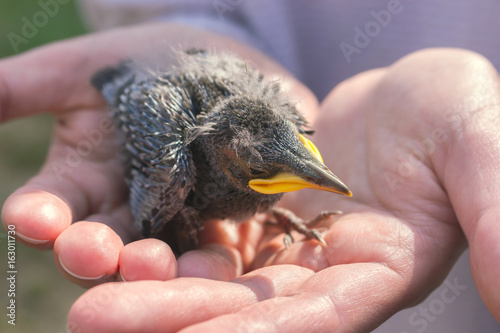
(343,190)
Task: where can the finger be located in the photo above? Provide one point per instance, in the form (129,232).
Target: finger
(213,261)
(470,170)
(39,216)
(332,300)
(242,236)
(154,306)
(46,206)
(55,77)
(461,140)
(148,259)
(228,249)
(87,253)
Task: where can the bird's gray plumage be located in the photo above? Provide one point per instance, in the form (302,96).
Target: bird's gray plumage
(185,130)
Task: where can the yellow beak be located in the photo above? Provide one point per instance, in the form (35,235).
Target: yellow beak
(322,179)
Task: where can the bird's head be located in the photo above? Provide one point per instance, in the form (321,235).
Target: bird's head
(261,150)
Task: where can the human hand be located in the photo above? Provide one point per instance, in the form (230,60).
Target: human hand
(418,145)
(82,178)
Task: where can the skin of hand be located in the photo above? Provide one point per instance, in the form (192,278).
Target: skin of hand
(416,143)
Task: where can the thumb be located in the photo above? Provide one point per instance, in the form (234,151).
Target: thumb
(463,106)
(54,77)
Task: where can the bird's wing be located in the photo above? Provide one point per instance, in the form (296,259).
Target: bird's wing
(154,119)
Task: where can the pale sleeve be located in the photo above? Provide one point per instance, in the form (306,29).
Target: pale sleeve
(222,17)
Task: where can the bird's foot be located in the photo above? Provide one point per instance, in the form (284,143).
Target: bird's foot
(289,221)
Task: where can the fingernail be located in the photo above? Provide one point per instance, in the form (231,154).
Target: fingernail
(32,240)
(104,277)
(119,277)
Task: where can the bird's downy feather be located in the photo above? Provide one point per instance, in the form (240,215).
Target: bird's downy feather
(154,121)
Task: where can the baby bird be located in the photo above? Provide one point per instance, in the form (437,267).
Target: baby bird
(210,139)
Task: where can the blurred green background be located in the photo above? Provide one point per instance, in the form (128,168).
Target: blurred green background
(43,296)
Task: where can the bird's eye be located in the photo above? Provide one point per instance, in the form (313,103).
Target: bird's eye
(254,172)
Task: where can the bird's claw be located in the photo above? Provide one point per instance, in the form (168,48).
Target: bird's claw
(317,236)
(324,215)
(288,220)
